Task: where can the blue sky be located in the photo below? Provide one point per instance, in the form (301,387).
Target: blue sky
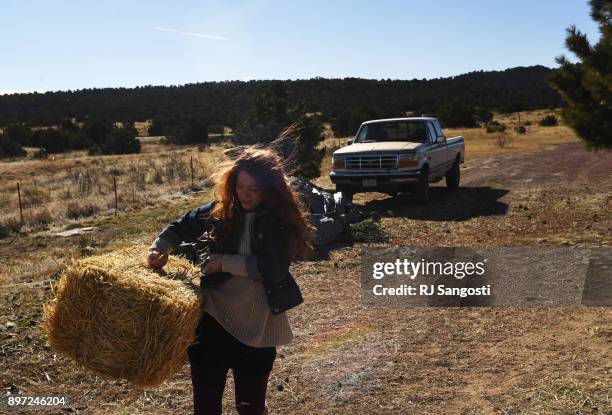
(61,44)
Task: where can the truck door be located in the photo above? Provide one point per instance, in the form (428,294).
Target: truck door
(437,152)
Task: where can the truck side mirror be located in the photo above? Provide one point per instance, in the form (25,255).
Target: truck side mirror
(349,141)
(441,139)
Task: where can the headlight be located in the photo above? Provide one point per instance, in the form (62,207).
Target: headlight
(408,160)
(337,162)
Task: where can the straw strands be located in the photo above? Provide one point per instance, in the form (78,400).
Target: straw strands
(122,320)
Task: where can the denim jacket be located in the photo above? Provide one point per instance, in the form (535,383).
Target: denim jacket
(269,245)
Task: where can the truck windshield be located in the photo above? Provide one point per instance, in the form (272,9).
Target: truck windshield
(410,131)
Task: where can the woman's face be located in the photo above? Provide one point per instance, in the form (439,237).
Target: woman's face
(248,192)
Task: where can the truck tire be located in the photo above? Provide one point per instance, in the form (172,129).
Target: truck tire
(421,188)
(453,176)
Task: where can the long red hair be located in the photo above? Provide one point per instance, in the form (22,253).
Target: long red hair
(266,167)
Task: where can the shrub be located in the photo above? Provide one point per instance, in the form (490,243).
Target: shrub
(548,121)
(34,195)
(158,174)
(369,230)
(495,127)
(115,171)
(527,123)
(41,154)
(137,175)
(520,129)
(77,209)
(8,225)
(502,140)
(176,168)
(483,115)
(39,217)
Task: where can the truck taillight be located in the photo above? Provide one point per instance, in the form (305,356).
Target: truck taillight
(338,162)
(408,160)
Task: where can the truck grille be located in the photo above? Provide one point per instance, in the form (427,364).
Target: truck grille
(371,162)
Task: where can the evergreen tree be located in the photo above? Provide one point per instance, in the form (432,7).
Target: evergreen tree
(586,86)
(68,125)
(119,140)
(157,128)
(483,115)
(455,114)
(9,148)
(306,157)
(267,118)
(189,131)
(19,133)
(295,134)
(97,129)
(52,140)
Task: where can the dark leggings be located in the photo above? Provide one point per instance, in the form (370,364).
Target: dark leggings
(211,357)
(209,384)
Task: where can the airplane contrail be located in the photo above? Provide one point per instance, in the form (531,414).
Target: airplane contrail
(165,29)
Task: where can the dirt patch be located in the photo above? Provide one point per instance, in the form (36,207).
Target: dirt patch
(566,163)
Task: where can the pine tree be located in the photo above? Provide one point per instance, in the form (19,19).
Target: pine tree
(157,127)
(586,86)
(300,134)
(455,114)
(267,118)
(306,156)
(9,148)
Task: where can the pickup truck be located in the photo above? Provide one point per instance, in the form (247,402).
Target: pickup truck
(397,154)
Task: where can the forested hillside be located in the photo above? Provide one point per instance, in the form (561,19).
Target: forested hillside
(226,103)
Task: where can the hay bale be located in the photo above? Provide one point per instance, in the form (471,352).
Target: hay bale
(122,320)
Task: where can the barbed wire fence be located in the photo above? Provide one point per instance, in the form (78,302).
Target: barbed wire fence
(86,184)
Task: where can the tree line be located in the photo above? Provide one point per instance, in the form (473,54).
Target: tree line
(344,102)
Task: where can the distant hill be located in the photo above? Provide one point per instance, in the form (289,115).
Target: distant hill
(226,103)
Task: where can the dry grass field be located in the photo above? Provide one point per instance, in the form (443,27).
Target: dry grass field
(541,188)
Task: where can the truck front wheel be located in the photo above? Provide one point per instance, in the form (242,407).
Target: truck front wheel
(453,176)
(421,188)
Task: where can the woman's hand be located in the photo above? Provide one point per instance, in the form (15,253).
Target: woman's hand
(156,260)
(213,265)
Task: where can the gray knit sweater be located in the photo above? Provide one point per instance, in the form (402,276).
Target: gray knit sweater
(239,303)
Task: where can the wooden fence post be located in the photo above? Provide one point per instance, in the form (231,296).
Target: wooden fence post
(20,207)
(191,167)
(115,189)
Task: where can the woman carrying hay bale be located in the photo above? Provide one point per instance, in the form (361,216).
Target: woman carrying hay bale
(254,228)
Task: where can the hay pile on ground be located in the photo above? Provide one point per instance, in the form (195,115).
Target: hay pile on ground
(121,320)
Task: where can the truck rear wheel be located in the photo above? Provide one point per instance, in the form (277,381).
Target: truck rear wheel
(453,176)
(421,189)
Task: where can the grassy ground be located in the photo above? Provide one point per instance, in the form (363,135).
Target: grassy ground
(346,358)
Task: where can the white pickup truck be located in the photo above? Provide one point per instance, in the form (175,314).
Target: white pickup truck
(398,154)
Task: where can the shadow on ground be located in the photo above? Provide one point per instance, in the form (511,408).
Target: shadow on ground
(444,205)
